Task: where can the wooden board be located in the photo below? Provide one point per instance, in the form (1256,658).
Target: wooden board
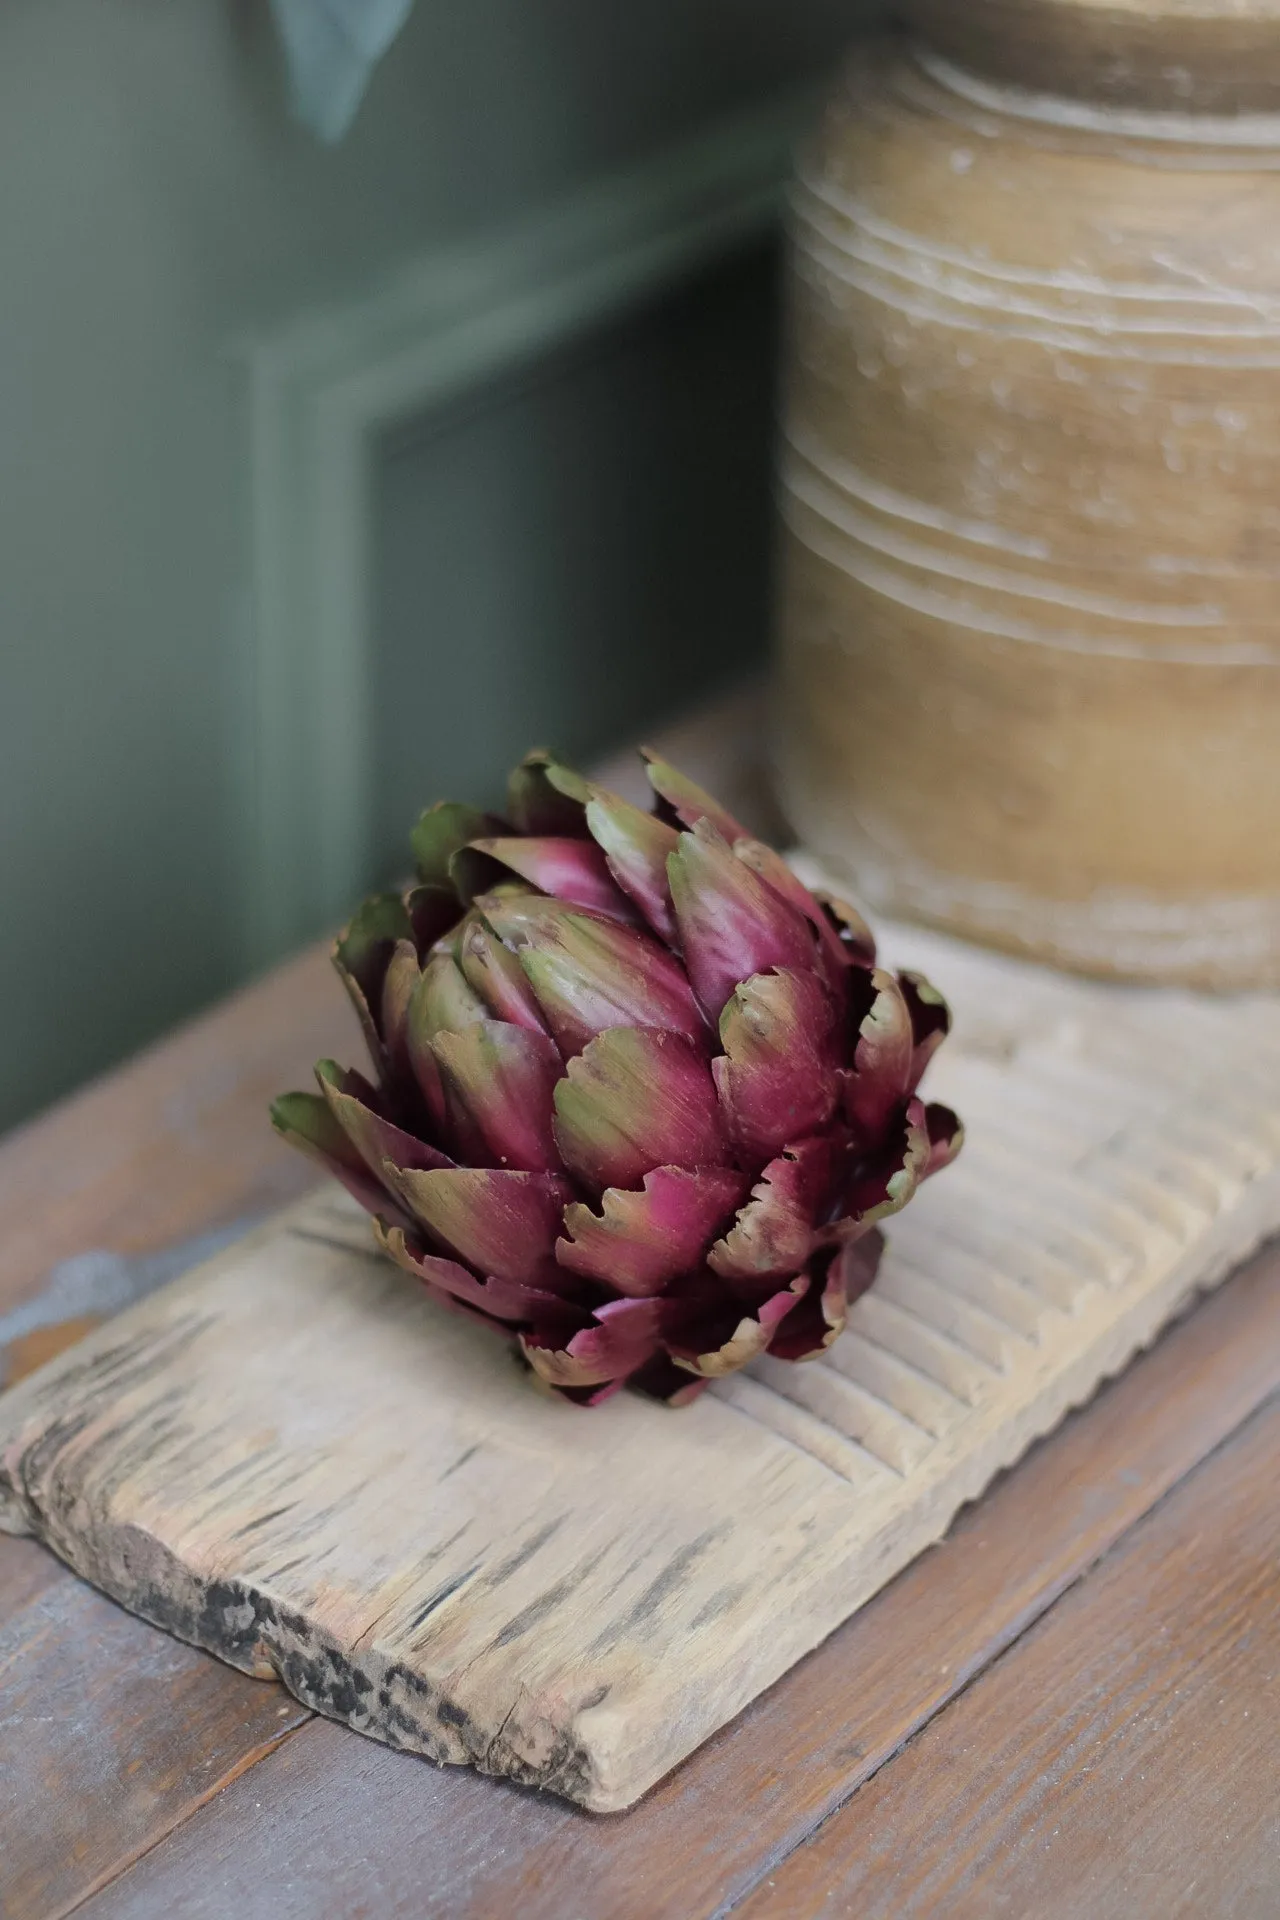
(330,1825)
(293,1460)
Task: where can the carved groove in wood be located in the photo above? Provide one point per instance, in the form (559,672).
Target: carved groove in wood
(291,1459)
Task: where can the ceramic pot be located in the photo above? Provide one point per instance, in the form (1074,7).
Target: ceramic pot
(1030,620)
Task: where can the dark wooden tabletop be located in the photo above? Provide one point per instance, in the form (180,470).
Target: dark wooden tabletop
(1071,1707)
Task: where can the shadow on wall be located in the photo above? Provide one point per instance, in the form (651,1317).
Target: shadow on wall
(582,555)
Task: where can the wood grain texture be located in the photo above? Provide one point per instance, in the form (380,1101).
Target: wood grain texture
(26,1569)
(1031,659)
(278,1459)
(33,1350)
(172,1142)
(1121,1760)
(112,1735)
(295,1839)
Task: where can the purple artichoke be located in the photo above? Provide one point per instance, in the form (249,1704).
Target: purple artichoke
(641,1098)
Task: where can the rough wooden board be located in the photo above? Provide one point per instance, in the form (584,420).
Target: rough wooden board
(278,1458)
(298,1836)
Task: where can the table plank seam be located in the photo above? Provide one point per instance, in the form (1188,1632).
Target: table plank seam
(263,1751)
(1038,1611)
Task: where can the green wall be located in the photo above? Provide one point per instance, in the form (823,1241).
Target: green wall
(557,560)
(600,536)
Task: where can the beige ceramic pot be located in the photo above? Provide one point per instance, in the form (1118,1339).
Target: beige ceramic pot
(1031,487)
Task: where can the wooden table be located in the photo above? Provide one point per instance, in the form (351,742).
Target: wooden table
(1070,1707)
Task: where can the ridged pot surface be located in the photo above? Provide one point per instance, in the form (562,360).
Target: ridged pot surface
(1217,56)
(1031,495)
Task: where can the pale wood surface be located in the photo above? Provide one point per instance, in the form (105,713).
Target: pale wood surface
(294,1460)
(294,1839)
(332,1825)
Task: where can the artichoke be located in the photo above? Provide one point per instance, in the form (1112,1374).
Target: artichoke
(641,1098)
